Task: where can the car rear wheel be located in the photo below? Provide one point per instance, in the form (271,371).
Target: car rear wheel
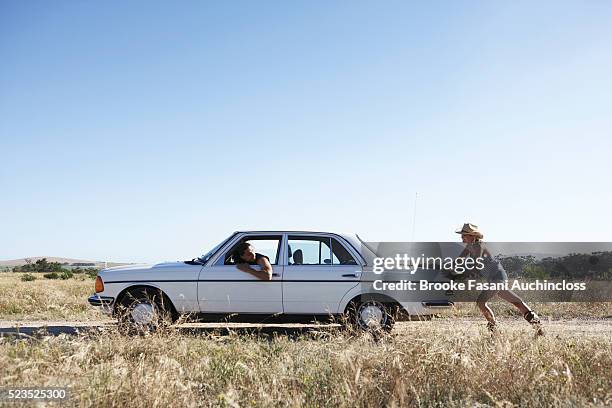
(143,311)
(371,316)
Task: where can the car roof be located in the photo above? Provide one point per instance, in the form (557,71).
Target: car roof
(345,235)
(288,232)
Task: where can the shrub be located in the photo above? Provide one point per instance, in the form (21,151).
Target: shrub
(40,265)
(28,277)
(66,275)
(86,272)
(52,275)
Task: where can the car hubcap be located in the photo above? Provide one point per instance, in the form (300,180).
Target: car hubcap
(142,313)
(372,315)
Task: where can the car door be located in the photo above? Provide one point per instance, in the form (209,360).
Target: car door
(320,270)
(223,288)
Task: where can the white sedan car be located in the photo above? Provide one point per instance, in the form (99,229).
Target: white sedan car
(315,276)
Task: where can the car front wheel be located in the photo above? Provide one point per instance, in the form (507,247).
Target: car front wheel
(143,311)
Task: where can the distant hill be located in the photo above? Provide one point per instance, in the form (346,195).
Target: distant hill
(69,261)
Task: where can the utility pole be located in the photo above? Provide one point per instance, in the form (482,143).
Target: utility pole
(416,195)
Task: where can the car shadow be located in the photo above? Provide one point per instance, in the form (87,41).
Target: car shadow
(261,332)
(191,329)
(50,330)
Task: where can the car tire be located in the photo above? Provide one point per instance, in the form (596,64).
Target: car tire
(143,310)
(371,316)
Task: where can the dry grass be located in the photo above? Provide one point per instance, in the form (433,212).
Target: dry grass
(444,362)
(556,310)
(423,364)
(45,299)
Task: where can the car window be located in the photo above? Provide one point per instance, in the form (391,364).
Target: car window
(266,245)
(305,250)
(340,255)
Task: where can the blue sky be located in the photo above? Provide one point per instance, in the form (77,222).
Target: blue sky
(144,131)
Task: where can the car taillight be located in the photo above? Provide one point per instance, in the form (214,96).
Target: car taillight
(99,284)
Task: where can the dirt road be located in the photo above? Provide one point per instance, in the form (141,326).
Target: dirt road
(465,326)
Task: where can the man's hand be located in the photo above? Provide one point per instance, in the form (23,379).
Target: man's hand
(244,267)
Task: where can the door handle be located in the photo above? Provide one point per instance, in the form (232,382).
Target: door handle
(349,275)
(275,275)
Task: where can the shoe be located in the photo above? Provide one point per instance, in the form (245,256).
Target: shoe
(492,327)
(533,319)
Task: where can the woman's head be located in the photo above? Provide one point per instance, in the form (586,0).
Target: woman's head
(244,252)
(470,233)
(469,239)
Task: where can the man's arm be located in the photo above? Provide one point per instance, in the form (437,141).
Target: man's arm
(266,269)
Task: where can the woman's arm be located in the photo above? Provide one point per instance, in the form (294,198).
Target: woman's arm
(464,253)
(486,253)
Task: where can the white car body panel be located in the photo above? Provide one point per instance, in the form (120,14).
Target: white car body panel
(178,280)
(317,289)
(226,289)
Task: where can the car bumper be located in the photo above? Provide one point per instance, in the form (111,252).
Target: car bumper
(104,302)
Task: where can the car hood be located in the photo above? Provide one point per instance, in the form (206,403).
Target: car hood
(143,267)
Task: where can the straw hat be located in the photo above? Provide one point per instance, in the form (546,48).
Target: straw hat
(470,229)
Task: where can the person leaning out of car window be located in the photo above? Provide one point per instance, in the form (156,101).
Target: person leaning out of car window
(244,256)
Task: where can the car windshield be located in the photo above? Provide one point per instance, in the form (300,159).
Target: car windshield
(204,258)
